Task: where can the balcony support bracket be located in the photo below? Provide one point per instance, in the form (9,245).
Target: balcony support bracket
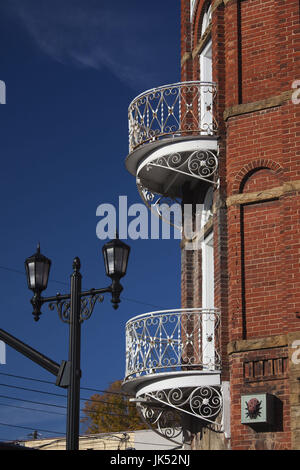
(199,164)
(163,410)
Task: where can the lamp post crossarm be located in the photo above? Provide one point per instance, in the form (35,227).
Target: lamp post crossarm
(62,303)
(60,297)
(93,292)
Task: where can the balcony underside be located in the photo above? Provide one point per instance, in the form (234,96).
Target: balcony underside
(171,380)
(165,400)
(163,167)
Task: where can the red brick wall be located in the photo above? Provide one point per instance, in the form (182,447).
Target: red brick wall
(186,40)
(262,265)
(270,377)
(257,246)
(259,53)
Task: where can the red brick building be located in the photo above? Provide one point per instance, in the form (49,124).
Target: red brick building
(235,150)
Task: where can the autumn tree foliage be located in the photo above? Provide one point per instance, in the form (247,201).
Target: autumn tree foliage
(111,411)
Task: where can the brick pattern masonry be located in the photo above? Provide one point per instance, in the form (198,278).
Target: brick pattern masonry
(256,219)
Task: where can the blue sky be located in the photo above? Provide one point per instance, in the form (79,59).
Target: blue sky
(71,68)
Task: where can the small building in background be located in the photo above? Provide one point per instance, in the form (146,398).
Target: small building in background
(131,440)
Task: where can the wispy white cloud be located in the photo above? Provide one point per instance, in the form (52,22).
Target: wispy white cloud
(117,35)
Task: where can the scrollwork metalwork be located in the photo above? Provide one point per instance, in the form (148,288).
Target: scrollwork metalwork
(173,340)
(179,109)
(154,203)
(163,410)
(63,309)
(88,304)
(166,422)
(203,402)
(200,164)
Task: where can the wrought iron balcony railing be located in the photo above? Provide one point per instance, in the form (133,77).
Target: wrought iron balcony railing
(173,340)
(177,110)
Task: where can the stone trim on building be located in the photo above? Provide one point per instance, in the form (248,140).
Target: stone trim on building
(273,193)
(246,108)
(277,341)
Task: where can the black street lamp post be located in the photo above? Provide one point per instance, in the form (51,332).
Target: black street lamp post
(73,309)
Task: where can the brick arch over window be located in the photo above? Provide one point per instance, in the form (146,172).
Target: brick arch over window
(265,169)
(261,248)
(198,17)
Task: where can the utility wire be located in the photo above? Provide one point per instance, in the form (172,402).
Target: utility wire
(50,404)
(63,407)
(51,383)
(32,409)
(33,402)
(48,411)
(24,274)
(55,394)
(31,429)
(67,285)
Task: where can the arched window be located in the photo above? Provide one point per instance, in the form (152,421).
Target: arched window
(206,19)
(192,7)
(205,64)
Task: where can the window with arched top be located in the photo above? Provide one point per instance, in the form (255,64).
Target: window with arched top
(206,18)
(192,7)
(205,65)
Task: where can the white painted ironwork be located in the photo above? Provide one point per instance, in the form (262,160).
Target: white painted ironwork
(155,202)
(163,410)
(201,402)
(165,421)
(172,340)
(176,110)
(200,164)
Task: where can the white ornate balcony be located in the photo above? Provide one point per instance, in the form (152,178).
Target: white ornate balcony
(172,341)
(173,137)
(173,366)
(177,110)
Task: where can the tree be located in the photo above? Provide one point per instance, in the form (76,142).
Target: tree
(111,411)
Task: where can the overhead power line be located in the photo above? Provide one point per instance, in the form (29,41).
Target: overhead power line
(31,428)
(16,271)
(51,383)
(24,274)
(50,404)
(113,415)
(33,402)
(56,394)
(32,409)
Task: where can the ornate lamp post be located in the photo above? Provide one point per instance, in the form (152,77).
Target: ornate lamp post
(73,309)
